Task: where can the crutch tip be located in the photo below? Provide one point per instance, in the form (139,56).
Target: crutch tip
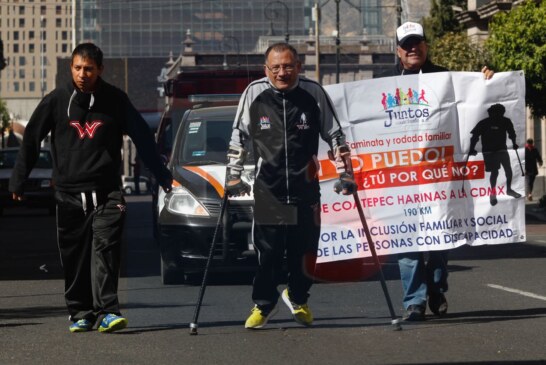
(396,326)
(193,329)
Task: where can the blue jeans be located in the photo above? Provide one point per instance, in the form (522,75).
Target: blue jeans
(420,278)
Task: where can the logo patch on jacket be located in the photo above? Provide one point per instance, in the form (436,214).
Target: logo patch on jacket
(88,130)
(265,123)
(302,125)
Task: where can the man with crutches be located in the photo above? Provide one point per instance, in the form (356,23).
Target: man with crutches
(283,115)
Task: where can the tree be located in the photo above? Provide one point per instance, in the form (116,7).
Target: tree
(457,53)
(442,19)
(517,41)
(4,120)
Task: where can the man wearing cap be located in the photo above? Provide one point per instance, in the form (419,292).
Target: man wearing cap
(421,279)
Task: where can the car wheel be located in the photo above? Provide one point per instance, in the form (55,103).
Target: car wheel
(171,275)
(128,191)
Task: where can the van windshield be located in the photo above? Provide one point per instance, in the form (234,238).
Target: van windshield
(206,142)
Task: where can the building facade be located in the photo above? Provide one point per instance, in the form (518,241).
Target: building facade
(34,33)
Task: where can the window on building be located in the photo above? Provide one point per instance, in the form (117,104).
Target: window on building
(16,86)
(21,73)
(22,61)
(15,35)
(21,23)
(58,22)
(31,35)
(21,10)
(31,48)
(58,10)
(16,48)
(65,48)
(42,10)
(31,86)
(64,35)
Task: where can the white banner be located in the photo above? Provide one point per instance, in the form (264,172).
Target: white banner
(420,189)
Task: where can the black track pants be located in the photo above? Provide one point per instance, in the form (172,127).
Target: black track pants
(273,236)
(89,230)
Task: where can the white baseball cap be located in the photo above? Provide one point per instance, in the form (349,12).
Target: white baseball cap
(409,30)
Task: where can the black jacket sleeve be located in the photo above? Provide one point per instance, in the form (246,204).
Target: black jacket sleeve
(137,128)
(39,125)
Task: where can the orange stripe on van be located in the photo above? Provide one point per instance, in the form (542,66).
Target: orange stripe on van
(219,187)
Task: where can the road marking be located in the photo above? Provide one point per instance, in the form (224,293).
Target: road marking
(520,292)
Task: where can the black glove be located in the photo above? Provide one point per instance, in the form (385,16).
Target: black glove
(472,152)
(236,187)
(345,185)
(516,146)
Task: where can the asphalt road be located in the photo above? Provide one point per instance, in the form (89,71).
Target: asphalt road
(497,310)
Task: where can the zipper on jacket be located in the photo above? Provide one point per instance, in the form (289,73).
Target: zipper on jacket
(286,149)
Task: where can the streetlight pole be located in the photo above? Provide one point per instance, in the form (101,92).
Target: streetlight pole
(42,61)
(338,42)
(316,13)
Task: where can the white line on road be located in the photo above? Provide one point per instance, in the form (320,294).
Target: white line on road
(520,292)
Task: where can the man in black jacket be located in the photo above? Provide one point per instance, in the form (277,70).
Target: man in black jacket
(283,116)
(87,119)
(421,280)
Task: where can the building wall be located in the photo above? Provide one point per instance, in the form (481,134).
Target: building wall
(34,33)
(151,28)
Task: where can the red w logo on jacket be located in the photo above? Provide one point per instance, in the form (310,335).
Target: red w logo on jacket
(88,130)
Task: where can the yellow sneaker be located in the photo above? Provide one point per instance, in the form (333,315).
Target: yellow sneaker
(301,312)
(258,318)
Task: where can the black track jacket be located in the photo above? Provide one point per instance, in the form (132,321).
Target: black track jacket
(284,128)
(86,139)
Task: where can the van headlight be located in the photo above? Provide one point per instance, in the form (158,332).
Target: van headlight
(180,201)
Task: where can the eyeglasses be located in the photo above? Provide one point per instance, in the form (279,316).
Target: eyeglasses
(276,69)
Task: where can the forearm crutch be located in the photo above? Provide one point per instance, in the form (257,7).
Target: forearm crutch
(193,324)
(395,322)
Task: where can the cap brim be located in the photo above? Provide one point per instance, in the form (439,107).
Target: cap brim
(408,37)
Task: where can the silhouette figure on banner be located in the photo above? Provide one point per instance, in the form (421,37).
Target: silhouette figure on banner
(493,131)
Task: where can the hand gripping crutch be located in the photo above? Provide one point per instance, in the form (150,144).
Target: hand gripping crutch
(395,322)
(193,324)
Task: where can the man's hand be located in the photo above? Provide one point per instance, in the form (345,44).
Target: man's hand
(487,73)
(236,187)
(17,197)
(345,185)
(472,152)
(516,147)
(167,185)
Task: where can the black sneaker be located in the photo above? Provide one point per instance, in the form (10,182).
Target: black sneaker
(437,303)
(414,313)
